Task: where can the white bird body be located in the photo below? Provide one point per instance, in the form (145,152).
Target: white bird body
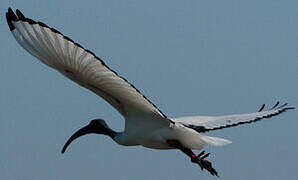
(145,124)
(155,135)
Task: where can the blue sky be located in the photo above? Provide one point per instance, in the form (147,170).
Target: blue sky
(188,57)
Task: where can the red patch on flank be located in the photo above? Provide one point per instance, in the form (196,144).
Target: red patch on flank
(193,158)
(68,71)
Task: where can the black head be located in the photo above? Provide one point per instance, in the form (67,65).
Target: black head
(99,124)
(96,126)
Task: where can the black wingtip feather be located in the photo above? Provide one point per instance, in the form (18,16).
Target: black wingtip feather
(20,15)
(277,103)
(9,9)
(282,106)
(262,107)
(10,16)
(10,25)
(289,108)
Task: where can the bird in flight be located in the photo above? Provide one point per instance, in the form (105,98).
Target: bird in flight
(145,124)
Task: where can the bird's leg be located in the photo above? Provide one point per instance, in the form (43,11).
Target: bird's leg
(198,159)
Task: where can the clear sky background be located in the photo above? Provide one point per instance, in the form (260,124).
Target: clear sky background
(191,57)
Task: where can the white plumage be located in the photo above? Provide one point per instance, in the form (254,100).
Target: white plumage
(145,124)
(207,123)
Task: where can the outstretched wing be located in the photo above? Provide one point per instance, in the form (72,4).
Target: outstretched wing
(78,64)
(209,123)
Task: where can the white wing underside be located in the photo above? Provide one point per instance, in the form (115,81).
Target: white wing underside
(80,65)
(208,123)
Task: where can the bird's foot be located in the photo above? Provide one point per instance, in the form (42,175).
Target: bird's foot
(199,159)
(204,164)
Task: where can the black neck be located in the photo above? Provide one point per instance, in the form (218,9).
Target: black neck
(111,133)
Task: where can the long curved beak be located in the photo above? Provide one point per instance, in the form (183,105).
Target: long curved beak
(81,132)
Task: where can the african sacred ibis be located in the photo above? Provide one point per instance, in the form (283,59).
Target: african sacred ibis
(145,124)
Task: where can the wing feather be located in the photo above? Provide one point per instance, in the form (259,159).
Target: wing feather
(78,64)
(210,123)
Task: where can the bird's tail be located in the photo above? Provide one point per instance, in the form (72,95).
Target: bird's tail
(215,141)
